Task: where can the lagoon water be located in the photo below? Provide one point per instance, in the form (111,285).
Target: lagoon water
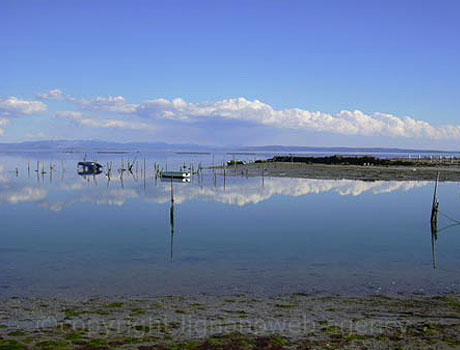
(68,235)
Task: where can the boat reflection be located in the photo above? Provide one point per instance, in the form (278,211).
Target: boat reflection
(89,168)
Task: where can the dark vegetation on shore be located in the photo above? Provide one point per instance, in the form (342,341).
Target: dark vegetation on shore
(359,160)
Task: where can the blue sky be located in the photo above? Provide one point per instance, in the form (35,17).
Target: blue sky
(381,58)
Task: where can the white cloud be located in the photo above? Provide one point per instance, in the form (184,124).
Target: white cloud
(37,136)
(102,123)
(69,114)
(15,107)
(115,124)
(12,106)
(112,104)
(344,122)
(55,94)
(115,104)
(3,122)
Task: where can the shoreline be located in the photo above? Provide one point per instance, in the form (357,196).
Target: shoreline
(295,321)
(346,172)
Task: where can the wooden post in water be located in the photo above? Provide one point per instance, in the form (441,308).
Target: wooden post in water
(172,214)
(434,221)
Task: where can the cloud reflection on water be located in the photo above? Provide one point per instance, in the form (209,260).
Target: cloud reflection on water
(246,193)
(237,192)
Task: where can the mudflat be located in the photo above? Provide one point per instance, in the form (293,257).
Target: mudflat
(349,172)
(233,322)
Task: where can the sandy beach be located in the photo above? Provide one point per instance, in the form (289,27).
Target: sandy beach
(233,322)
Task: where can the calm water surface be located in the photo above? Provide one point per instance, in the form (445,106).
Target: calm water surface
(64,234)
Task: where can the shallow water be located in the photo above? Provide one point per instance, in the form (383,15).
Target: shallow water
(64,234)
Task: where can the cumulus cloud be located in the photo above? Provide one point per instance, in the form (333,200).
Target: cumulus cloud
(102,123)
(15,107)
(37,136)
(344,122)
(69,114)
(112,104)
(3,122)
(12,106)
(115,104)
(115,124)
(55,94)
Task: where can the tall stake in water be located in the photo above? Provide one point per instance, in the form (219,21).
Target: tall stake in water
(434,221)
(172,214)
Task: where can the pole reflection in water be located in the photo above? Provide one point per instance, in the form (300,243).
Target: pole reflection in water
(434,221)
(172,213)
(435,231)
(172,208)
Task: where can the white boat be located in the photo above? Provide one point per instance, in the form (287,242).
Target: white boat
(176,174)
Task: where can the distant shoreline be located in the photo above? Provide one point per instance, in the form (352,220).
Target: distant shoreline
(99,145)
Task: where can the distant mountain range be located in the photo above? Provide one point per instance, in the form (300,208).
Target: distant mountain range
(86,145)
(89,145)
